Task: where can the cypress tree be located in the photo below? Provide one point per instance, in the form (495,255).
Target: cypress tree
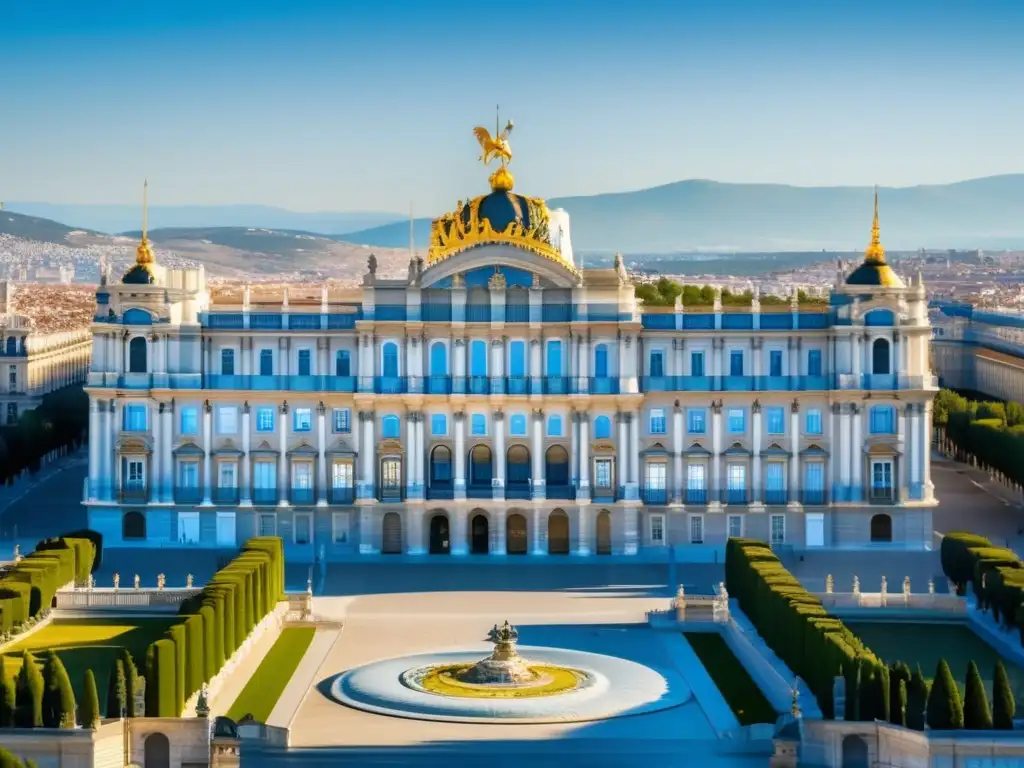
(131,681)
(58,696)
(977,715)
(898,711)
(90,714)
(853,691)
(7,696)
(945,710)
(1003,705)
(917,698)
(117,690)
(881,690)
(868,691)
(29,711)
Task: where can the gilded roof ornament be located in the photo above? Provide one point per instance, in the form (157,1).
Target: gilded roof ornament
(497,147)
(144,253)
(875,253)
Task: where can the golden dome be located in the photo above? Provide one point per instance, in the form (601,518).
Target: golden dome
(874,270)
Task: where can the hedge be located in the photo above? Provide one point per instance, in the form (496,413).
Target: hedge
(215,624)
(988,433)
(995,574)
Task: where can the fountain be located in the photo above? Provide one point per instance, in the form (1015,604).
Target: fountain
(504,666)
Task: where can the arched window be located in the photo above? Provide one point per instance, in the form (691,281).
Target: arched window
(554,425)
(880,357)
(480,466)
(12,346)
(440,466)
(602,428)
(518,465)
(478,358)
(390,359)
(342,363)
(556,463)
(133,526)
(390,427)
(438,359)
(137,355)
(601,361)
(157,750)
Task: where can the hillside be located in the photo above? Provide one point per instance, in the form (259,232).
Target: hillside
(43,230)
(712,216)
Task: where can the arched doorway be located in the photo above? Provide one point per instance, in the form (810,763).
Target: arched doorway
(157,751)
(440,536)
(880,356)
(515,534)
(391,534)
(137,355)
(855,752)
(479,534)
(133,526)
(517,484)
(441,468)
(556,472)
(881,528)
(604,532)
(558,533)
(480,468)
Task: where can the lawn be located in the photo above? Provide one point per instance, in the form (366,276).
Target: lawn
(736,686)
(91,644)
(925,644)
(264,688)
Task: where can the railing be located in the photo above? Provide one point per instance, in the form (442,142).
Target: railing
(188,494)
(654,496)
(168,598)
(479,492)
(440,491)
(392,493)
(518,491)
(342,495)
(134,493)
(776,496)
(224,494)
(561,492)
(920,601)
(264,496)
(302,495)
(478,313)
(695,495)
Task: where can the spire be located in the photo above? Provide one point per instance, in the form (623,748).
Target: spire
(144,253)
(875,253)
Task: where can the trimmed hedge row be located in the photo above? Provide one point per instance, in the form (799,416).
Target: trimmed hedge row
(215,624)
(995,574)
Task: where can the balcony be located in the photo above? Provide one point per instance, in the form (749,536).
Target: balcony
(383,385)
(518,491)
(302,495)
(556,313)
(389,313)
(654,496)
(264,496)
(225,494)
(735,496)
(391,493)
(556,385)
(187,494)
(603,385)
(342,494)
(603,494)
(813,497)
(438,385)
(440,491)
(517,313)
(479,385)
(517,385)
(478,313)
(479,492)
(737,384)
(881,494)
(696,495)
(776,496)
(561,492)
(436,313)
(134,493)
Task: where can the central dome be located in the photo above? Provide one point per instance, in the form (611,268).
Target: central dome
(502,208)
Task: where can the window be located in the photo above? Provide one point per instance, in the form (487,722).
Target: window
(737,421)
(696,529)
(776,420)
(341,474)
(602,428)
(775,362)
(696,421)
(778,525)
(880,357)
(813,421)
(264,419)
(305,362)
(517,425)
(268,525)
(696,363)
(438,359)
(188,474)
(603,473)
(736,363)
(814,362)
(389,359)
(227,420)
(390,427)
(340,527)
(881,479)
(775,482)
(478,358)
(554,361)
(657,529)
(227,362)
(657,473)
(302,526)
(478,425)
(189,421)
(735,526)
(656,421)
(266,362)
(134,419)
(302,420)
(134,473)
(342,363)
(391,474)
(137,355)
(227,474)
(736,475)
(517,358)
(657,365)
(696,483)
(12,378)
(601,361)
(341,420)
(814,482)
(554,426)
(302,475)
(883,420)
(264,475)
(438,424)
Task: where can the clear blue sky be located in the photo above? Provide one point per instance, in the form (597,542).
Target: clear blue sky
(369,106)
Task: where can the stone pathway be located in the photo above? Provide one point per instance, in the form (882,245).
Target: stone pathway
(306,674)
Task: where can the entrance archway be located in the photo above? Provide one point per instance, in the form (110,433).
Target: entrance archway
(133,525)
(604,532)
(558,533)
(391,534)
(157,751)
(881,527)
(515,534)
(479,534)
(855,752)
(440,535)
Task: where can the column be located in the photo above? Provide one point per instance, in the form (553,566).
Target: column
(116,364)
(369,456)
(245,353)
(574,450)
(844,448)
(322,368)
(168,454)
(584,364)
(756,490)
(835,454)
(245,489)
(857,454)
(630,533)
(207,454)
(928,488)
(897,360)
(855,357)
(677,450)
(634,449)
(535,367)
(915,447)
(499,454)
(156,458)
(497,366)
(95,436)
(421,450)
(584,529)
(459,532)
(584,456)
(165,354)
(459,385)
(321,455)
(283,489)
(715,492)
(109,474)
(537,529)
(794,460)
(622,457)
(460,454)
(755,354)
(500,530)
(539,481)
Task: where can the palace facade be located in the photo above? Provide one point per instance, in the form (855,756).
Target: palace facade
(501,400)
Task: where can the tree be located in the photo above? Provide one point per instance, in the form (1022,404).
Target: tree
(7,697)
(898,673)
(945,710)
(977,715)
(9,760)
(868,690)
(881,693)
(29,711)
(131,681)
(90,714)
(58,696)
(917,698)
(117,690)
(1003,705)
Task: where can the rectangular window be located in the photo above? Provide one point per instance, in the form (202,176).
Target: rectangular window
(735,526)
(305,362)
(883,420)
(190,421)
(12,378)
(268,524)
(227,474)
(12,413)
(188,474)
(554,361)
(657,529)
(814,362)
(517,425)
(813,422)
(342,363)
(696,363)
(264,475)
(341,420)
(657,365)
(135,418)
(341,474)
(775,482)
(302,475)
(302,527)
(696,477)
(303,420)
(227,362)
(340,527)
(775,362)
(135,473)
(657,421)
(778,524)
(737,421)
(814,477)
(438,424)
(554,425)
(227,420)
(881,480)
(736,363)
(603,473)
(657,473)
(737,474)
(696,529)
(517,358)
(478,425)
(696,421)
(266,362)
(776,420)
(264,419)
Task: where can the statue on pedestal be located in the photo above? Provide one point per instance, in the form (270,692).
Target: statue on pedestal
(117,581)
(188,581)
(856,585)
(829,584)
(136,581)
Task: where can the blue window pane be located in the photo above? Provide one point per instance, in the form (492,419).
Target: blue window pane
(438,359)
(478,358)
(478,424)
(266,362)
(775,362)
(776,421)
(554,426)
(227,362)
(814,362)
(883,420)
(775,477)
(601,362)
(814,477)
(135,418)
(696,421)
(390,427)
(737,421)
(517,425)
(602,428)
(657,364)
(735,363)
(342,363)
(657,421)
(517,358)
(696,363)
(390,359)
(302,421)
(554,366)
(265,420)
(814,422)
(342,420)
(438,424)
(305,362)
(189,421)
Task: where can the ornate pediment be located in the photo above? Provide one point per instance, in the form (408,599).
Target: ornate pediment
(391,447)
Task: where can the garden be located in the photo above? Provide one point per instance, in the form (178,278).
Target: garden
(733,681)
(260,695)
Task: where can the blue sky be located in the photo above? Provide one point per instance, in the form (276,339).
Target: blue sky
(337,105)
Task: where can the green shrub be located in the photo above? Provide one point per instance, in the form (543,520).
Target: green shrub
(161,698)
(917,700)
(8,690)
(945,710)
(195,670)
(177,636)
(117,690)
(898,673)
(90,707)
(131,681)
(15,602)
(1004,707)
(58,696)
(29,687)
(9,760)
(211,637)
(977,715)
(97,544)
(957,564)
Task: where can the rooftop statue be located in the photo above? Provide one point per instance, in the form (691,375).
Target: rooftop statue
(496,147)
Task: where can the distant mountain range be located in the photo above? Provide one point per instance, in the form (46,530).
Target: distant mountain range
(685,216)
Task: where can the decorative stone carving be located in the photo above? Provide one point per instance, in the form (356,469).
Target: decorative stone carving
(459,415)
(188,581)
(117,581)
(496,343)
(207,408)
(499,415)
(856,585)
(794,407)
(716,407)
(837,408)
(161,581)
(756,407)
(497,282)
(931,586)
(284,408)
(321,408)
(829,584)
(245,408)
(458,281)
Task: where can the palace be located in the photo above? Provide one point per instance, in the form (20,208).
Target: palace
(501,400)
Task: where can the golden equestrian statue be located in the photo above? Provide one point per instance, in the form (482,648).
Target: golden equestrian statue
(494,147)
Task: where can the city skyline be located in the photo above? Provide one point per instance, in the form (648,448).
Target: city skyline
(314,108)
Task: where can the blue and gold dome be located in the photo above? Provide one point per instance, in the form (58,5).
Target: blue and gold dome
(874,271)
